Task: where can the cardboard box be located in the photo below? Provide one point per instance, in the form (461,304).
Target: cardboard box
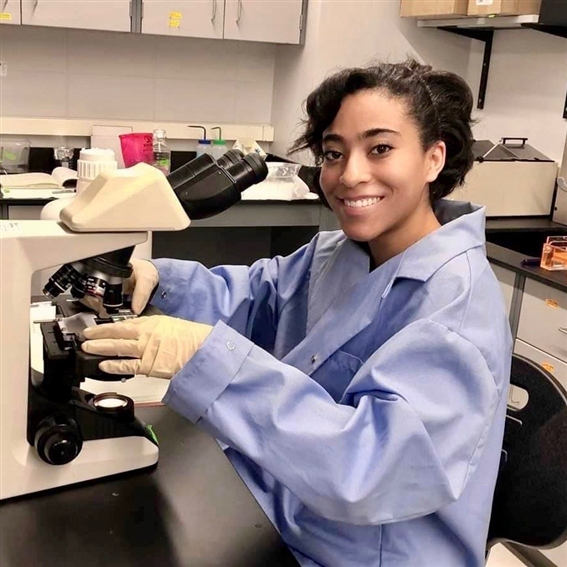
(503,7)
(433,8)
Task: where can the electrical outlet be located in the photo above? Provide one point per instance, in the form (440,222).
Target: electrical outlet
(3,69)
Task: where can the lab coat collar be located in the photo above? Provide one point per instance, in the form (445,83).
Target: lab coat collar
(463,226)
(462,229)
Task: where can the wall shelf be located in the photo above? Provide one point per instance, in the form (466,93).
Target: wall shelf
(482,29)
(499,22)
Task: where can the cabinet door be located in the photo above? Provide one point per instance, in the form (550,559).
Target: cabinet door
(543,319)
(111,15)
(189,18)
(10,12)
(273,21)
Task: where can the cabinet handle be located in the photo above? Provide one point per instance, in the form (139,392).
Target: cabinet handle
(213,17)
(239,11)
(563,330)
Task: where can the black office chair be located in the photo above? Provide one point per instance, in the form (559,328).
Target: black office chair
(530,500)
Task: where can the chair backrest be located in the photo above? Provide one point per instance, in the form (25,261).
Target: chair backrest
(530,500)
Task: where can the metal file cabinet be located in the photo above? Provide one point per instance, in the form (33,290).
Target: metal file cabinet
(542,337)
(543,319)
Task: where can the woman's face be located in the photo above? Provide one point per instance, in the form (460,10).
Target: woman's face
(376,174)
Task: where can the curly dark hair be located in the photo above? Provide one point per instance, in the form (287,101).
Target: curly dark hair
(439,102)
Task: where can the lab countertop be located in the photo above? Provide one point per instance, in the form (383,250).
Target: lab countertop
(190,509)
(513,261)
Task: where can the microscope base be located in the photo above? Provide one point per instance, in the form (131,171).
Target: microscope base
(98,458)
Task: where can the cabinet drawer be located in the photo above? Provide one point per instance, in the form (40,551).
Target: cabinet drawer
(506,279)
(553,365)
(543,319)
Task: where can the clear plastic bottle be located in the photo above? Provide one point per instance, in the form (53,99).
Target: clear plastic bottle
(162,154)
(219,145)
(219,149)
(203,145)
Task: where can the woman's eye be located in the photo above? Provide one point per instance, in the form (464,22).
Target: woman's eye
(331,155)
(381,149)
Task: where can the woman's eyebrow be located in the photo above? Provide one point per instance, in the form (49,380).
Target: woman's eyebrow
(331,137)
(376,132)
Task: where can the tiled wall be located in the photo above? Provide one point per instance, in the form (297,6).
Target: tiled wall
(88,74)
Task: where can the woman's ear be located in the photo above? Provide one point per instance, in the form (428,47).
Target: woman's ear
(435,157)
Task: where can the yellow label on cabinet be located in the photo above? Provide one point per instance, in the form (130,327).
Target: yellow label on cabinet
(5,16)
(552,303)
(175,16)
(174,23)
(548,367)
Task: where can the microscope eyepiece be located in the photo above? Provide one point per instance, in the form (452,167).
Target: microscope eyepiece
(190,170)
(251,169)
(206,187)
(229,158)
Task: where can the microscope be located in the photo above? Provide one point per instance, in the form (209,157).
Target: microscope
(52,432)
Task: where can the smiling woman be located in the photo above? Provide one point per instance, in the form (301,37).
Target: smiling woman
(392,140)
(359,384)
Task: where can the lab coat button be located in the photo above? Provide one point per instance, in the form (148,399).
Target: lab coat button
(314,359)
(230,345)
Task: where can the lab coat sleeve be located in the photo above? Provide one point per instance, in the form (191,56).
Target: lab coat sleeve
(246,298)
(402,443)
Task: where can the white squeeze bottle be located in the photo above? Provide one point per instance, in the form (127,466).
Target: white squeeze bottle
(219,145)
(203,145)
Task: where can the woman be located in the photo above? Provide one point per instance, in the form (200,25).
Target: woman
(360,383)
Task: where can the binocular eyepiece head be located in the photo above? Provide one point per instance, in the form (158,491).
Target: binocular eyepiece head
(206,187)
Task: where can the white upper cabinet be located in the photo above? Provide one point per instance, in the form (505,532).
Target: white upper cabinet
(189,18)
(9,11)
(111,15)
(273,21)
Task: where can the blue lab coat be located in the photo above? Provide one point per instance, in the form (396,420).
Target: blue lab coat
(363,408)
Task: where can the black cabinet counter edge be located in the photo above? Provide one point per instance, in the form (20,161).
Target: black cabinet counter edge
(512,260)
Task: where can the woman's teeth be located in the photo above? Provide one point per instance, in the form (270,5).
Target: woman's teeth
(358,203)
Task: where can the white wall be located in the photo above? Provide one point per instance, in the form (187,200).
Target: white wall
(345,33)
(527,83)
(84,74)
(526,91)
(90,74)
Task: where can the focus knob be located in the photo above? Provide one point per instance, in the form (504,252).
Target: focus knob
(58,440)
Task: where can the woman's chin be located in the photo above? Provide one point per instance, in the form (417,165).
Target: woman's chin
(358,233)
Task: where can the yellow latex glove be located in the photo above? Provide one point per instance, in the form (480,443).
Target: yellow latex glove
(158,346)
(140,284)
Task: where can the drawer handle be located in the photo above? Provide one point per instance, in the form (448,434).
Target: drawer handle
(239,11)
(563,330)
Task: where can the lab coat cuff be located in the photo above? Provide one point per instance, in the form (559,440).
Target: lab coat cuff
(164,296)
(211,369)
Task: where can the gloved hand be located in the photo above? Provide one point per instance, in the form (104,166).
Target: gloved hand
(140,284)
(159,345)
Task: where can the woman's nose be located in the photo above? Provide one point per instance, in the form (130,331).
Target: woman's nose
(356,170)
